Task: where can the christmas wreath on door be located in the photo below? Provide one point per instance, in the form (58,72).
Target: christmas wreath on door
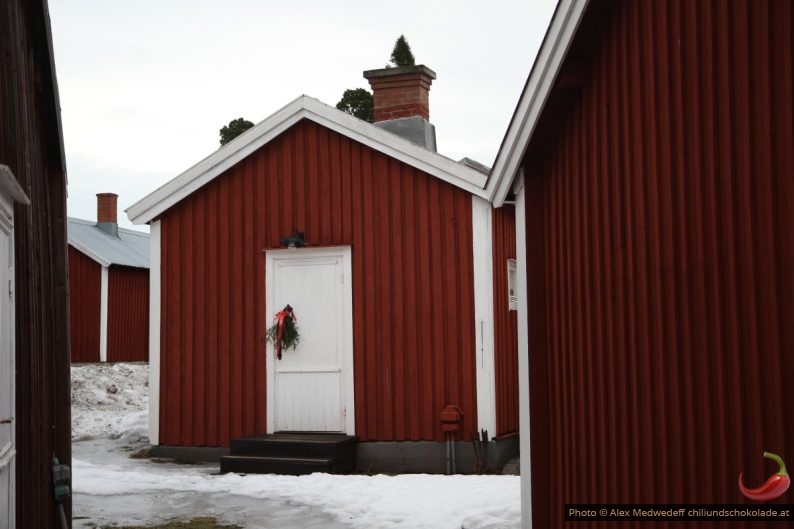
(283,334)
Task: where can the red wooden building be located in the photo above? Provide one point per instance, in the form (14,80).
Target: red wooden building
(35,411)
(109,288)
(650,159)
(400,291)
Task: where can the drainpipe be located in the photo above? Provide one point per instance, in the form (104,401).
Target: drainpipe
(451,417)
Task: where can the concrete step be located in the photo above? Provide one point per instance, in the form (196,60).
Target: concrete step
(290,451)
(276,465)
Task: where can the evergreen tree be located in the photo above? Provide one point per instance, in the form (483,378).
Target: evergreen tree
(401,54)
(357,102)
(234,129)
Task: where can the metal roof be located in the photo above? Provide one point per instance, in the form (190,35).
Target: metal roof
(131,248)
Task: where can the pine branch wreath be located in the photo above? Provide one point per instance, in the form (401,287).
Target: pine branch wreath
(283,334)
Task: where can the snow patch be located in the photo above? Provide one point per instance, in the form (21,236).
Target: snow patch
(110,400)
(414,501)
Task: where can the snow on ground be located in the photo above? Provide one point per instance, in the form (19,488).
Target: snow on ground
(406,501)
(109,402)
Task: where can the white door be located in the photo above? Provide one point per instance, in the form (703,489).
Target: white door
(311,388)
(7,376)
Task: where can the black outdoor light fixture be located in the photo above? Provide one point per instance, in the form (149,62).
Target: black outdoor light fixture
(296,240)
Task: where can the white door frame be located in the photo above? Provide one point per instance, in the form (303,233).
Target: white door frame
(10,192)
(348,379)
(7,448)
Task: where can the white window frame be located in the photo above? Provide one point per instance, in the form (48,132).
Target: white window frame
(512,284)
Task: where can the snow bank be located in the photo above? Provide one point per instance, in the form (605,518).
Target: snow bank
(110,400)
(414,501)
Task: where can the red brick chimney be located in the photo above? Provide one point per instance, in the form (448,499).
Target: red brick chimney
(106,216)
(401,101)
(401,92)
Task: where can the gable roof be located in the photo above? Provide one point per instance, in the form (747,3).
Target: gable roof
(130,249)
(304,107)
(552,53)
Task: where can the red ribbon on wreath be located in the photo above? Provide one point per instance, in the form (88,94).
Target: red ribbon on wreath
(281,321)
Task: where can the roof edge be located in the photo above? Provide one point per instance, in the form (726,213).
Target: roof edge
(141,211)
(54,84)
(206,170)
(10,186)
(91,254)
(540,82)
(122,229)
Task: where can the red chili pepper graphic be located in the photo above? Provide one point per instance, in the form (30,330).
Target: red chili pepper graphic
(774,486)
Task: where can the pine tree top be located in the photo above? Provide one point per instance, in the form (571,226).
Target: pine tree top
(401,54)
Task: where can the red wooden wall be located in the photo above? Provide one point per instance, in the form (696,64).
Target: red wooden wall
(660,260)
(31,146)
(412,288)
(505,322)
(128,314)
(85,278)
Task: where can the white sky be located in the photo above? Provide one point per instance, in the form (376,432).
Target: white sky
(145,85)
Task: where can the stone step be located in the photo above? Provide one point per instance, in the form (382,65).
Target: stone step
(289,452)
(294,466)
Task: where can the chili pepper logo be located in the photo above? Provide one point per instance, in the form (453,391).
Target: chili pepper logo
(774,486)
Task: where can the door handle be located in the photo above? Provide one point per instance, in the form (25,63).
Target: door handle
(7,421)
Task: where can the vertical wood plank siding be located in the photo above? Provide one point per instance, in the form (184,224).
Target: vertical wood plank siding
(128,314)
(412,288)
(85,278)
(30,146)
(505,323)
(660,261)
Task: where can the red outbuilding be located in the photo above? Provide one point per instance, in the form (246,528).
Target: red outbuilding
(651,161)
(400,289)
(109,288)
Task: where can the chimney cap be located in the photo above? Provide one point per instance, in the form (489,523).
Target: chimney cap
(401,70)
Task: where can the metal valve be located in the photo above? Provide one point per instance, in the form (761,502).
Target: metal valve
(61,479)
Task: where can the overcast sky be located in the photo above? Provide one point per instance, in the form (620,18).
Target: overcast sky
(145,85)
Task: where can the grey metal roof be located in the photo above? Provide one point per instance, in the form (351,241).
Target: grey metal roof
(131,248)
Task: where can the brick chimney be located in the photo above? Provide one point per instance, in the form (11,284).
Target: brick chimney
(401,99)
(106,206)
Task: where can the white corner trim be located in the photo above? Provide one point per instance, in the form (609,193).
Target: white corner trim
(523,362)
(484,313)
(533,98)
(304,107)
(103,316)
(518,181)
(154,332)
